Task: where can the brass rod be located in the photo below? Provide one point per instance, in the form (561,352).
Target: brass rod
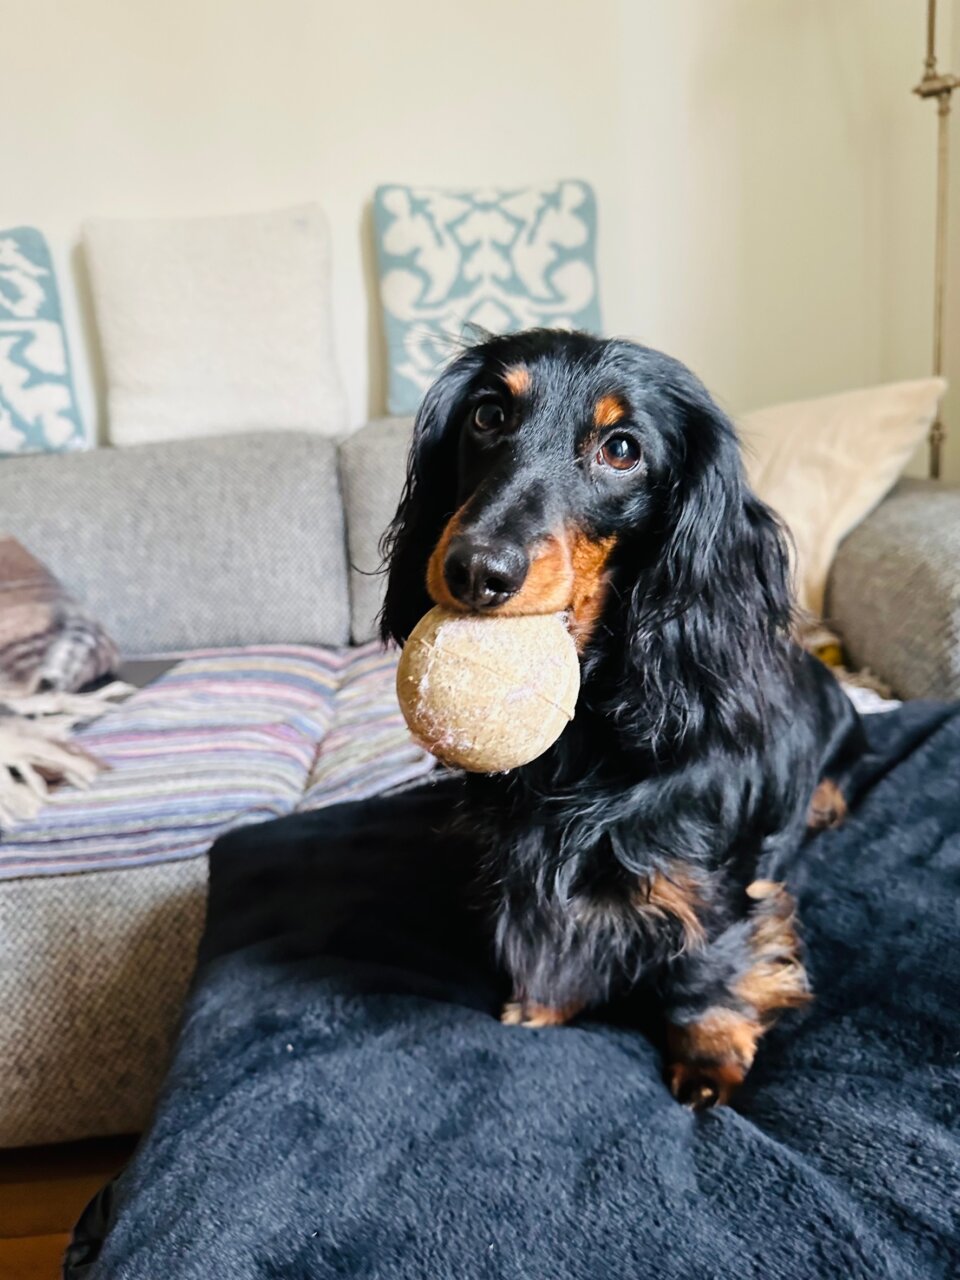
(940,256)
(931,36)
(941,88)
(937,431)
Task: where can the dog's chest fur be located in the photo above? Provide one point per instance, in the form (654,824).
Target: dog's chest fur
(585,894)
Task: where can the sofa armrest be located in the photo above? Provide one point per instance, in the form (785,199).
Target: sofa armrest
(894,591)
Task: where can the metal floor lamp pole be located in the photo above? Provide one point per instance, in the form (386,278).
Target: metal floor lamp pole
(941,87)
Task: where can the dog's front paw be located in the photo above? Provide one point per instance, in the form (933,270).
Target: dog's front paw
(700,1086)
(528,1013)
(511,1015)
(708,1059)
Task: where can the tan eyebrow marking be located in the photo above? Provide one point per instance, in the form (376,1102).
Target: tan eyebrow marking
(608,411)
(517,379)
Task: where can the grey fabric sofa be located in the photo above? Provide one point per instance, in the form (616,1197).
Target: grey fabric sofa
(208,543)
(274,537)
(894,592)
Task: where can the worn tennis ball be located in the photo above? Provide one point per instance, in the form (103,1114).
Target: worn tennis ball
(488,694)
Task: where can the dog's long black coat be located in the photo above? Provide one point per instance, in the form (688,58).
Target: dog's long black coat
(624,854)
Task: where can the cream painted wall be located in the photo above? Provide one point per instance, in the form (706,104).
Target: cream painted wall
(134,108)
(764,177)
(952,336)
(787,176)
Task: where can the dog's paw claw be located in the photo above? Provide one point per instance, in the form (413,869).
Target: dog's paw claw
(699,1088)
(529,1013)
(698,1095)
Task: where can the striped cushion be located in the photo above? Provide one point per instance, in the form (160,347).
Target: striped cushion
(227,737)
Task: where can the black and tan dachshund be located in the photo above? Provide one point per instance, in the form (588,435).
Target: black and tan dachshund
(556,472)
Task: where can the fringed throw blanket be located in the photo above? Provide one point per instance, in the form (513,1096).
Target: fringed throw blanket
(49,649)
(47,641)
(35,751)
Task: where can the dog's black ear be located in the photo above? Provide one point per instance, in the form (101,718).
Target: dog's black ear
(714,600)
(428,501)
(723,547)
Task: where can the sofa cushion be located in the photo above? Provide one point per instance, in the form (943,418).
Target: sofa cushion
(38,410)
(373,464)
(232,540)
(502,260)
(823,464)
(216,325)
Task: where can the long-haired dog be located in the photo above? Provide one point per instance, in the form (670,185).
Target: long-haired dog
(552,472)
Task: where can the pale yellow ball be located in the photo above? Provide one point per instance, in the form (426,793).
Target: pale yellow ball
(488,694)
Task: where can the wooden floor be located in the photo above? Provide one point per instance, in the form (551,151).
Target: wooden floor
(42,1192)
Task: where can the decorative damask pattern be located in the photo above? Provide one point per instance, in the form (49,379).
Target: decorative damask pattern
(37,405)
(501,260)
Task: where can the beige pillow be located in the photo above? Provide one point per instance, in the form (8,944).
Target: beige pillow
(824,464)
(212,326)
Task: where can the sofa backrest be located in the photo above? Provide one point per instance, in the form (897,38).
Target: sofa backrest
(373,467)
(230,540)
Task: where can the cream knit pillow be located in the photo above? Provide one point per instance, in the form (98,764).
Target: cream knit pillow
(216,325)
(824,464)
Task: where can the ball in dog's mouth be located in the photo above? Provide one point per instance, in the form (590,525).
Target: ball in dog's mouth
(488,694)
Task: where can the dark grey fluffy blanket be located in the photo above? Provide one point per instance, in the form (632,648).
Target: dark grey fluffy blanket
(343,1102)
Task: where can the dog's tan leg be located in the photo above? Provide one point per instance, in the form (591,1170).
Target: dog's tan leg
(828,807)
(710,1053)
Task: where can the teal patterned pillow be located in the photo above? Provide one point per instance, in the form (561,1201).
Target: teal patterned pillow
(500,259)
(38,411)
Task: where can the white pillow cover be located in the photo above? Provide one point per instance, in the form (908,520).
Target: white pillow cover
(216,325)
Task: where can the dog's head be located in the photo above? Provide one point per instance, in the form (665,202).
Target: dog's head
(556,472)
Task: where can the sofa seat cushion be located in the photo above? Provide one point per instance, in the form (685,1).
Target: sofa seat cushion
(223,739)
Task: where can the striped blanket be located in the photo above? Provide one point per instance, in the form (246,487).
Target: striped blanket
(226,738)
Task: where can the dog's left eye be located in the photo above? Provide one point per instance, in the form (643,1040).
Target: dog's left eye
(488,416)
(620,452)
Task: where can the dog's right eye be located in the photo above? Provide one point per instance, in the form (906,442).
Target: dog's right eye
(488,416)
(621,452)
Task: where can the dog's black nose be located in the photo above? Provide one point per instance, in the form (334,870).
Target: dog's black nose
(482,576)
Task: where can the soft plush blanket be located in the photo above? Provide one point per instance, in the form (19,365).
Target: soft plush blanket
(344,1103)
